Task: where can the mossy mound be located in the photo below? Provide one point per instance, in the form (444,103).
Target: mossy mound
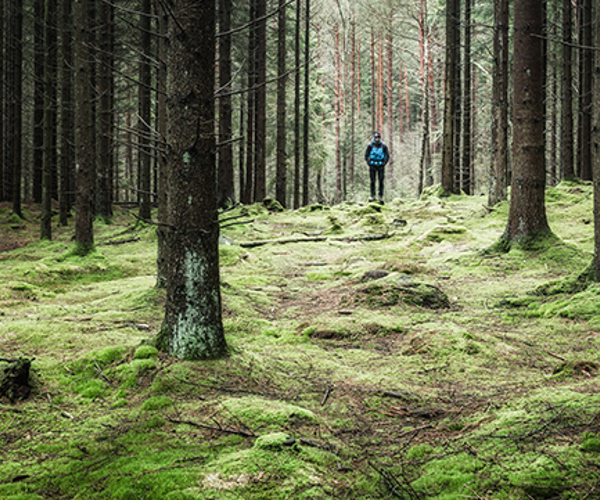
(376,295)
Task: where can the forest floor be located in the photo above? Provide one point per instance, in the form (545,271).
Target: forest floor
(375,352)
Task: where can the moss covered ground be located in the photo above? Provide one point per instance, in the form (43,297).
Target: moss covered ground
(375,352)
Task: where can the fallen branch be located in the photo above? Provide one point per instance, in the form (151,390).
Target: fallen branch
(283,241)
(225,430)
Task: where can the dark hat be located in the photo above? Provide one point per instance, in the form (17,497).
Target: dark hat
(377,134)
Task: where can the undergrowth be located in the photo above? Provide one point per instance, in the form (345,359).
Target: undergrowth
(377,351)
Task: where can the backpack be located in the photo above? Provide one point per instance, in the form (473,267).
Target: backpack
(377,155)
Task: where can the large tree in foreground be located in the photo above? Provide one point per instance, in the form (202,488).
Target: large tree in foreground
(192,327)
(595,136)
(527,216)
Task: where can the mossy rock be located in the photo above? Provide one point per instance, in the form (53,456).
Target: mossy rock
(272,205)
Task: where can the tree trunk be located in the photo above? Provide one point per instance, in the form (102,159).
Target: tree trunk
(145,112)
(49,162)
(585,93)
(297,106)
(260,111)
(389,103)
(65,196)
(306,123)
(248,196)
(527,216)
(161,125)
(466,181)
(449,98)
(596,149)
(192,327)
(225,184)
(17,115)
(104,199)
(499,156)
(353,96)
(38,99)
(84,129)
(568,170)
(337,99)
(281,169)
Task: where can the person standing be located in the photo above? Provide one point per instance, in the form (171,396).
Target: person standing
(377,156)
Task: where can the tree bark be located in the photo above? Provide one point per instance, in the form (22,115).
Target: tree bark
(84,129)
(38,99)
(104,201)
(447,178)
(585,92)
(192,327)
(225,184)
(144,110)
(499,157)
(49,161)
(161,125)
(527,216)
(466,181)
(67,138)
(568,170)
(297,53)
(281,168)
(260,186)
(596,149)
(306,122)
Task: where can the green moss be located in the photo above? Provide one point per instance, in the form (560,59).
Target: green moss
(145,352)
(156,403)
(255,411)
(273,441)
(419,451)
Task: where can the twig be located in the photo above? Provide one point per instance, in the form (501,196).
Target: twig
(215,428)
(556,356)
(101,372)
(327,392)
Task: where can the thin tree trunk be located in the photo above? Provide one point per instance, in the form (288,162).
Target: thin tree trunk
(260,187)
(596,149)
(337,75)
(104,199)
(161,126)
(499,157)
(16,124)
(281,169)
(145,112)
(568,170)
(586,59)
(447,177)
(297,107)
(225,182)
(49,162)
(306,123)
(250,160)
(353,96)
(390,103)
(84,129)
(66,115)
(466,106)
(373,84)
(38,99)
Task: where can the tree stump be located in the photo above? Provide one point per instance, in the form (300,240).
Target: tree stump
(14,379)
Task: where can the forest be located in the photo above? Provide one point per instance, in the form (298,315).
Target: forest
(199,298)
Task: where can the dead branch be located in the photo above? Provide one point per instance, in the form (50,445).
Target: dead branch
(283,241)
(217,428)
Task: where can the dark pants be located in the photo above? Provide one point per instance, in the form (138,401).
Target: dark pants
(377,172)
